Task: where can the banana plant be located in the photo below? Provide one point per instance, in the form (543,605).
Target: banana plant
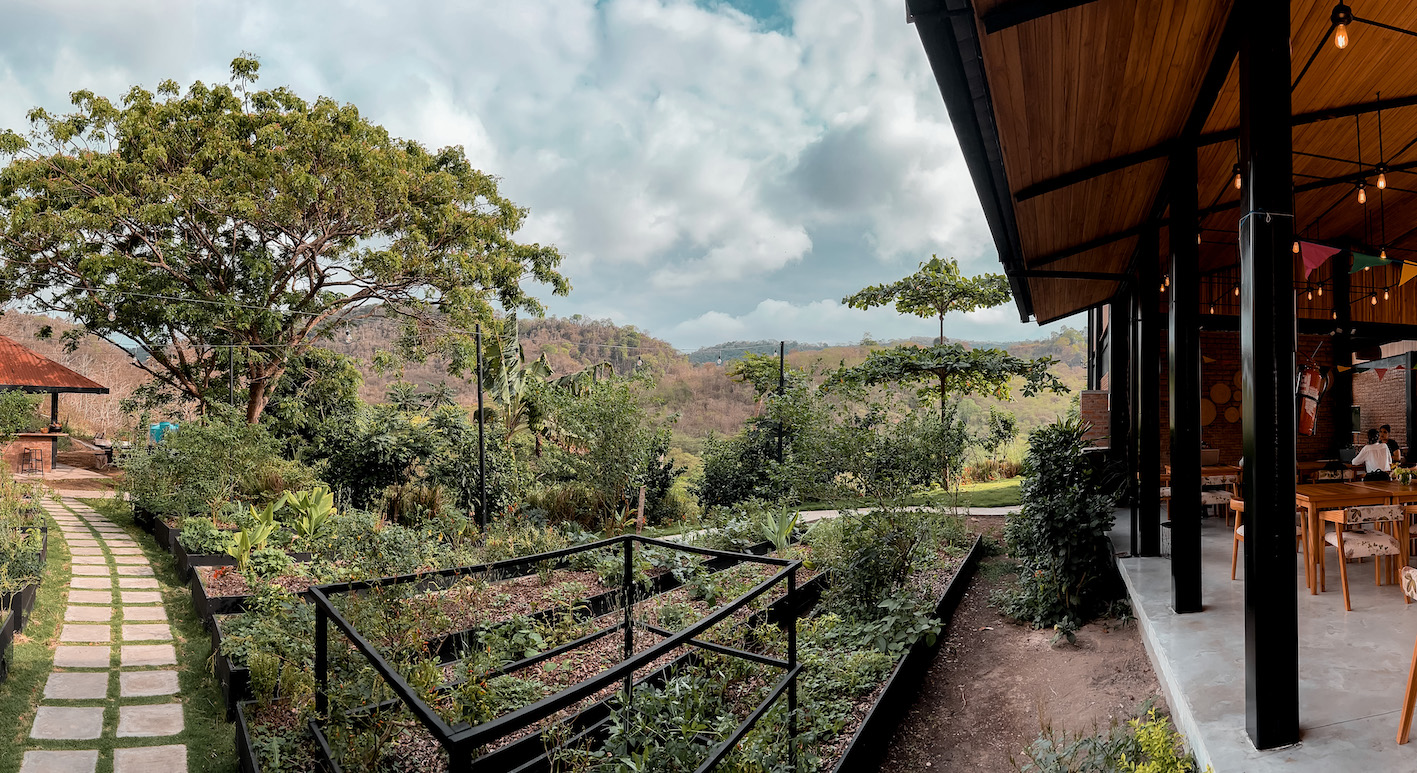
(253,537)
(313,511)
(778,529)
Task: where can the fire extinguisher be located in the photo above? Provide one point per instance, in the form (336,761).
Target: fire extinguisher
(1311,386)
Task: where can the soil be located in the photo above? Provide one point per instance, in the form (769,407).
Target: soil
(994,685)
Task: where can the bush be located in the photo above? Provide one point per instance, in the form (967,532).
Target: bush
(1066,574)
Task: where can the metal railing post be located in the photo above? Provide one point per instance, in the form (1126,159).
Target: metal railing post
(792,664)
(629,582)
(322,666)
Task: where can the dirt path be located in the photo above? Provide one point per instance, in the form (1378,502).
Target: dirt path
(993,685)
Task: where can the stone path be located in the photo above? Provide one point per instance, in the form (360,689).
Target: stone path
(112,685)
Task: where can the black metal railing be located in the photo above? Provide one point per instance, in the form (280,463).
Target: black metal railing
(462,741)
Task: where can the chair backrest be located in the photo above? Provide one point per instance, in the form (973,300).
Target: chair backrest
(1371,513)
(1218,480)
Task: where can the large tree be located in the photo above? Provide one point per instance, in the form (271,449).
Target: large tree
(937,289)
(226,229)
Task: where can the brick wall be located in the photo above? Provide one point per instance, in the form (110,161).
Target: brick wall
(1220,385)
(1383,401)
(1094,405)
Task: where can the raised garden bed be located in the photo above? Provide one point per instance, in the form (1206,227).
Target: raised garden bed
(7,638)
(21,602)
(871,741)
(43,541)
(186,562)
(209,604)
(165,535)
(235,680)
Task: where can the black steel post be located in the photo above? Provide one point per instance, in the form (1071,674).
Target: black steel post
(1148,364)
(53,408)
(230,375)
(792,664)
(322,667)
(781,389)
(1184,381)
(481,440)
(1341,387)
(628,584)
(1267,341)
(1119,399)
(1410,431)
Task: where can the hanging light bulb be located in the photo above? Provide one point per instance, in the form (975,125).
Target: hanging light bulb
(1238,181)
(1167,280)
(112,315)
(1335,315)
(348,338)
(1382,177)
(639,362)
(1163,287)
(1321,291)
(1237,291)
(1362,194)
(1341,18)
(1385,296)
(1374,299)
(1383,253)
(720,360)
(1311,295)
(1296,246)
(1340,36)
(1198,237)
(1212,308)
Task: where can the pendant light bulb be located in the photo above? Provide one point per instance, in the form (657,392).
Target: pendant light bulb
(1296,247)
(1163,288)
(1382,180)
(1237,291)
(1238,180)
(1167,280)
(1212,308)
(1340,36)
(1311,295)
(1321,291)
(1362,194)
(1383,253)
(1385,295)
(112,315)
(1374,299)
(1341,17)
(1198,237)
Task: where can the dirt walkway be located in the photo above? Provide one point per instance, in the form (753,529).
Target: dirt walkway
(994,684)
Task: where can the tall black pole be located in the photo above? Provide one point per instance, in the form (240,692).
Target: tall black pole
(1148,365)
(781,389)
(230,375)
(1267,340)
(1184,381)
(1119,396)
(481,441)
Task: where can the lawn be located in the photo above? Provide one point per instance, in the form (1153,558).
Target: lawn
(995,493)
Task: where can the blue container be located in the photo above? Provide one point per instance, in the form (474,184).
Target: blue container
(155,432)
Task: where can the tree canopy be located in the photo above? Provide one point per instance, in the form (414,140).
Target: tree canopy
(230,229)
(954,369)
(935,290)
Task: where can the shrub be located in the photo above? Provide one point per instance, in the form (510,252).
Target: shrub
(1066,574)
(201,536)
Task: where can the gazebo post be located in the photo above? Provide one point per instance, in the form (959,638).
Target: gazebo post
(1184,382)
(1267,338)
(53,408)
(1149,393)
(1119,395)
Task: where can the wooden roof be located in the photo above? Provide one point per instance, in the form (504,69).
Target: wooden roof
(1067,111)
(25,370)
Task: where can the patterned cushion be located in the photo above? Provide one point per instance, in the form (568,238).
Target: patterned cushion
(1215,497)
(1165,492)
(1240,532)
(1333,475)
(1363,544)
(1370,513)
(1409,582)
(1218,480)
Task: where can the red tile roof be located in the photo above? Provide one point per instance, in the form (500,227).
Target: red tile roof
(23,369)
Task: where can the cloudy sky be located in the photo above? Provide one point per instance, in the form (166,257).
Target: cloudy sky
(712,170)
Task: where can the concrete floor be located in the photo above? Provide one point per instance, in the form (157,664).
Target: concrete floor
(1353,664)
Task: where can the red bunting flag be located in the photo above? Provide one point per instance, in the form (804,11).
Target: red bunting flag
(1315,255)
(1381,372)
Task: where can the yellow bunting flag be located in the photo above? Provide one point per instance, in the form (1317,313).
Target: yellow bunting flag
(1344,368)
(1409,270)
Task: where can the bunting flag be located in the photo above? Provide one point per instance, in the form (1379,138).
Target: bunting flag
(1207,360)
(1381,372)
(1409,271)
(1362,261)
(1344,368)
(1400,367)
(1315,255)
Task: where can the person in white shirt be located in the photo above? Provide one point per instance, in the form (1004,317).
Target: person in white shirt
(1375,458)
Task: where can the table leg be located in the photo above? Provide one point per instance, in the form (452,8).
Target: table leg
(1315,546)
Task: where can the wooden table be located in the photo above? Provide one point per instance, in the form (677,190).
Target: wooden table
(1314,498)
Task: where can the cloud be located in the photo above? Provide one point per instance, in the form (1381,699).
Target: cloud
(701,165)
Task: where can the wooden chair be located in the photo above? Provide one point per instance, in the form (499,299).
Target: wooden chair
(1301,536)
(1409,697)
(1361,543)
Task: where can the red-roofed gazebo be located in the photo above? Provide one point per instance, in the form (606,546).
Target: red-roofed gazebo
(27,371)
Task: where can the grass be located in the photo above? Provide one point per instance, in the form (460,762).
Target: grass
(996,493)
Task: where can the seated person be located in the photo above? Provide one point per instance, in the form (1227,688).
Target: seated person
(1375,458)
(1384,436)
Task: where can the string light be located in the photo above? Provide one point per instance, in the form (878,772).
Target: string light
(1237,291)
(1362,194)
(1335,315)
(1238,182)
(112,315)
(1341,18)
(1383,253)
(1382,178)
(720,360)
(1385,296)
(1198,237)
(1311,295)
(1374,299)
(1167,280)
(1321,291)
(1163,287)
(1296,246)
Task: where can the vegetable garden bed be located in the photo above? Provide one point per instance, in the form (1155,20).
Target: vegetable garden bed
(21,603)
(7,638)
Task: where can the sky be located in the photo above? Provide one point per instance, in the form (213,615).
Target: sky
(711,171)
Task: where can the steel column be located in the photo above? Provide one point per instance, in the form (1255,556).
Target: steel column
(1410,431)
(1184,381)
(1119,406)
(1148,364)
(1267,341)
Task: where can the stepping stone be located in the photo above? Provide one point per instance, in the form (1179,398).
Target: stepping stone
(146,684)
(137,582)
(81,542)
(141,597)
(86,633)
(147,632)
(131,614)
(124,550)
(88,614)
(86,551)
(61,762)
(148,655)
(136,571)
(168,759)
(146,721)
(129,560)
(76,686)
(91,570)
(89,560)
(81,657)
(90,597)
(61,723)
(91,583)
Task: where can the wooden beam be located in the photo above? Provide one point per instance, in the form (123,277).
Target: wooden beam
(1092,244)
(1164,149)
(1094,275)
(1012,14)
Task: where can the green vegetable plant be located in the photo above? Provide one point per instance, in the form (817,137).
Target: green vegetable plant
(313,510)
(253,536)
(777,527)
